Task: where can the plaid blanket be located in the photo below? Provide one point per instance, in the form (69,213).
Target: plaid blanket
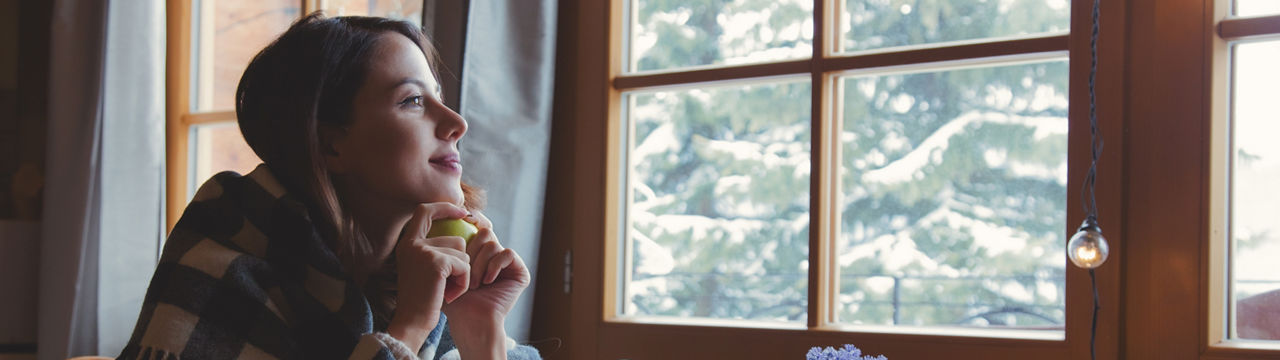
(244,274)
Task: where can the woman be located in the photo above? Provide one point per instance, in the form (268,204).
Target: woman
(322,251)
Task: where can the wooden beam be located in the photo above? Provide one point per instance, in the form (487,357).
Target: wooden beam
(1250,28)
(177,104)
(1164,144)
(209,118)
(823,218)
(711,74)
(953,52)
(857,61)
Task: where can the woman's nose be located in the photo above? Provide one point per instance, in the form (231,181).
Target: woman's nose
(450,126)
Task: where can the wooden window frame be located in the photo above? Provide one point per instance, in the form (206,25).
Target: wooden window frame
(585,180)
(1224,32)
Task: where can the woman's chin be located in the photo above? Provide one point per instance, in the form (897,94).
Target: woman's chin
(438,193)
(455,198)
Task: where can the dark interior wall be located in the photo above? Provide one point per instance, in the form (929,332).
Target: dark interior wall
(8,103)
(24,89)
(8,71)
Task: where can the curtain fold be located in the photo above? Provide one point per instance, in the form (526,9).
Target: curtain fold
(508,74)
(102,220)
(67,282)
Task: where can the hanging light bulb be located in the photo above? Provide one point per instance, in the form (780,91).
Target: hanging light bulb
(1087,248)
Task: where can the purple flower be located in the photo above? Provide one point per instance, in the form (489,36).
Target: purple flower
(814,354)
(847,352)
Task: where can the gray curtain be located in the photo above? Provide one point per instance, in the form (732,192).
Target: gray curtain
(102,221)
(507,81)
(133,166)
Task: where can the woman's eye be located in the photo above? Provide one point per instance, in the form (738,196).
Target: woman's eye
(412,100)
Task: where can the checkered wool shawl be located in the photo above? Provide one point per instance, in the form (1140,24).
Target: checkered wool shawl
(244,274)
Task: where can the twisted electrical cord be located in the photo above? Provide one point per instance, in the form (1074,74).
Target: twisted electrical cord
(1088,195)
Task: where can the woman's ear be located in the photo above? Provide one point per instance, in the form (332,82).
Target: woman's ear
(331,141)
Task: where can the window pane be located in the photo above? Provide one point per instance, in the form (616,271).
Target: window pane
(408,10)
(229,34)
(667,35)
(718,213)
(217,148)
(1255,199)
(954,197)
(878,24)
(1257,7)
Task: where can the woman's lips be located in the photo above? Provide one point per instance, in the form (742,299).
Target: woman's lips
(448,162)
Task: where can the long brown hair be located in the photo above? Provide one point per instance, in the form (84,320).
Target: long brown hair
(305,79)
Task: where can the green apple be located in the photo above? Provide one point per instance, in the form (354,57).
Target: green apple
(452,227)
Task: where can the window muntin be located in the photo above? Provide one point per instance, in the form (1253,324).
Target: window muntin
(880,24)
(718,213)
(670,35)
(1254,199)
(953,204)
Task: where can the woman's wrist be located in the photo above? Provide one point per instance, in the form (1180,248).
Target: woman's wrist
(480,339)
(409,332)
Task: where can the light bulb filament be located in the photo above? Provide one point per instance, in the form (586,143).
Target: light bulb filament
(1087,253)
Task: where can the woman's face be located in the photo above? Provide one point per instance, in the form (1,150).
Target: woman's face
(401,147)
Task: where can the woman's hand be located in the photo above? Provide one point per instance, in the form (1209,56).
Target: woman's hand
(498,277)
(431,272)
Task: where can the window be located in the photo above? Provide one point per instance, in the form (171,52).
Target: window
(1245,285)
(800,172)
(210,43)
(950,188)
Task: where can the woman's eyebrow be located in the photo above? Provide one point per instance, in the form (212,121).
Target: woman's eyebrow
(410,81)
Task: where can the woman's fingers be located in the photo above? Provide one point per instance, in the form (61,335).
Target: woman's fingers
(453,265)
(447,255)
(483,246)
(454,288)
(490,260)
(447,242)
(448,259)
(420,222)
(482,250)
(505,260)
(461,264)
(481,221)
